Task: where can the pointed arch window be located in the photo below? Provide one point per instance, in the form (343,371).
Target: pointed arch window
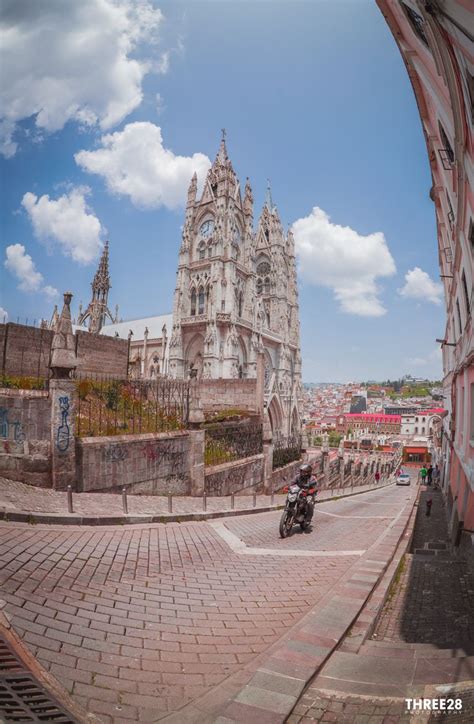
(240,303)
(259,285)
(193,302)
(266,285)
(201,299)
(202,250)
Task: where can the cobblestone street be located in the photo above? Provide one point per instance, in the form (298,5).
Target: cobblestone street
(139,623)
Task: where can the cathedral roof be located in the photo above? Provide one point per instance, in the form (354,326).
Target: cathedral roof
(153,324)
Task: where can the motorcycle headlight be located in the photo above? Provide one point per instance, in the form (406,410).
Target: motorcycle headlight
(292,497)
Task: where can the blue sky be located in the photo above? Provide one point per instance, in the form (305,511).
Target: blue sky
(314,96)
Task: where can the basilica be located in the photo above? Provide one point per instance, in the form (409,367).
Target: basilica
(236,297)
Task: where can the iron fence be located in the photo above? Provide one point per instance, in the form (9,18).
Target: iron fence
(226,442)
(123,406)
(286,450)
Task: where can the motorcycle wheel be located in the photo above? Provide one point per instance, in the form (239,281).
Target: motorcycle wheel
(286,523)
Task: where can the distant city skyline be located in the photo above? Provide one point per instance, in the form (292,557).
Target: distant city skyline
(106,147)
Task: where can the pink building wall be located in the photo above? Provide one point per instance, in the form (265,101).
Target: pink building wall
(436,43)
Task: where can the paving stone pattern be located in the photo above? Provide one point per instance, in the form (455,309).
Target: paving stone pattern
(432,602)
(136,623)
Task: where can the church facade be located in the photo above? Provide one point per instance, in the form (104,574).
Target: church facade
(236,294)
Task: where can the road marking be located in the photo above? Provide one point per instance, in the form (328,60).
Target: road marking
(365,517)
(238,546)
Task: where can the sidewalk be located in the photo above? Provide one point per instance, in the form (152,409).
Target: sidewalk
(20,502)
(421,643)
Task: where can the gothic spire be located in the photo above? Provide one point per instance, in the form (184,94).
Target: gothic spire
(102,279)
(268,197)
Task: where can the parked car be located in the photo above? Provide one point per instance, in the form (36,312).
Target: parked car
(403,479)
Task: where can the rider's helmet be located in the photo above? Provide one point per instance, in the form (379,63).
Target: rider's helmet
(306,471)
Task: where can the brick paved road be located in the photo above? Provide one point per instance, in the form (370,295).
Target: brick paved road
(138,622)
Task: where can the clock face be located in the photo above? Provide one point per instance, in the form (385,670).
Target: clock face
(207,228)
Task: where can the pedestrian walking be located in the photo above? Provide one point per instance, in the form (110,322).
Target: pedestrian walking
(423,474)
(377,476)
(429,475)
(436,476)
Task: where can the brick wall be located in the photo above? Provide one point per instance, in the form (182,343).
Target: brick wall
(151,464)
(25,350)
(98,354)
(225,394)
(25,446)
(241,477)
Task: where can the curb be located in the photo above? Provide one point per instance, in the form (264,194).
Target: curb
(103,520)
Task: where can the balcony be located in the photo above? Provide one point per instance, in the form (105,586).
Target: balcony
(194,319)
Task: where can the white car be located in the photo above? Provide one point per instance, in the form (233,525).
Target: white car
(403,479)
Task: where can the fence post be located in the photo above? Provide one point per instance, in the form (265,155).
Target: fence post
(204,500)
(255,500)
(232,501)
(170,503)
(70,509)
(124,501)
(272,493)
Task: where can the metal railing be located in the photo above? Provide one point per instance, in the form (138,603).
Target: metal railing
(286,450)
(226,442)
(123,406)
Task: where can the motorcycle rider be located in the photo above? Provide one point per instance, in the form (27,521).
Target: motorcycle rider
(305,480)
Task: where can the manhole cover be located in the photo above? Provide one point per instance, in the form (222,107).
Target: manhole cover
(22,698)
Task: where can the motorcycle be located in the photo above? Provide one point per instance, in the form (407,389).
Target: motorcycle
(295,509)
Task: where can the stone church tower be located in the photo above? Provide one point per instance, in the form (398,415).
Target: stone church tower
(236,294)
(97,311)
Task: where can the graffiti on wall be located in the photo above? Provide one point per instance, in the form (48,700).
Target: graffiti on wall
(115,453)
(162,452)
(234,479)
(63,434)
(6,425)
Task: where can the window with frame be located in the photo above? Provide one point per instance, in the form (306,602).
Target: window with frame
(466,293)
(202,250)
(458,310)
(446,153)
(451,216)
(193,302)
(201,301)
(417,23)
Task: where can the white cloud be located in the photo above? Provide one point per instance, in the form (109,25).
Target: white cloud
(135,163)
(21,265)
(66,61)
(340,258)
(419,285)
(433,357)
(67,221)
(3,315)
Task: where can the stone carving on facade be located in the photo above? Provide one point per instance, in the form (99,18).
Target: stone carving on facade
(243,312)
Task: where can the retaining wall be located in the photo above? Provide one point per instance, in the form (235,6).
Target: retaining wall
(240,476)
(25,444)
(151,464)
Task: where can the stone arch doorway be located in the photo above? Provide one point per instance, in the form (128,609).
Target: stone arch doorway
(193,359)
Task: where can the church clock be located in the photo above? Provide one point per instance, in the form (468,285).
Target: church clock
(206,228)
